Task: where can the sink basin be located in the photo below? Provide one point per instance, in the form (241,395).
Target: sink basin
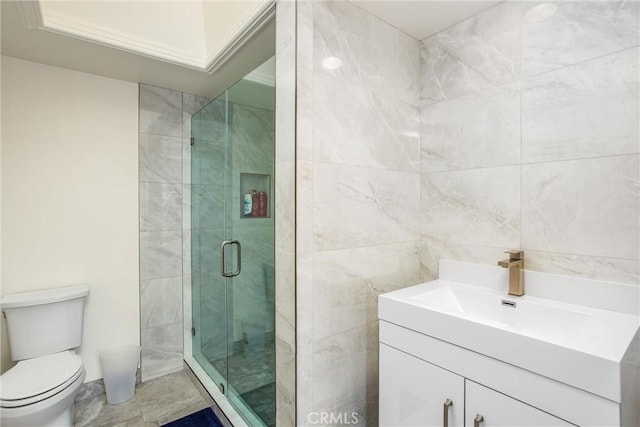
(578,345)
(530,316)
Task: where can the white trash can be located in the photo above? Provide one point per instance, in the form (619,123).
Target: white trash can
(119,372)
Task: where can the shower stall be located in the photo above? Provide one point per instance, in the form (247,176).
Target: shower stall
(232,248)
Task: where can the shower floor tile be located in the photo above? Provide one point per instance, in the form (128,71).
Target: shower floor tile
(248,370)
(261,400)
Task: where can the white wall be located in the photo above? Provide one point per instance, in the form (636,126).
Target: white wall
(70,194)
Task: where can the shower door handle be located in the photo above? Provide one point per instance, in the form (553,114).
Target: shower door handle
(223,263)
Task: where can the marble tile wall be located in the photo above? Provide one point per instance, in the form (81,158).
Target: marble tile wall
(285,182)
(529,138)
(515,128)
(165,179)
(357,199)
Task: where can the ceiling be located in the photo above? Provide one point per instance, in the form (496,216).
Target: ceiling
(182,45)
(162,43)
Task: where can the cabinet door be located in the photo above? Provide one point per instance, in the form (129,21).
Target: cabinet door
(501,410)
(413,392)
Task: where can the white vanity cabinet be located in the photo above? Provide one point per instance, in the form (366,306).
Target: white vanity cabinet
(417,393)
(418,373)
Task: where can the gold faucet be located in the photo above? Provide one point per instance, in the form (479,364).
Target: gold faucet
(515,264)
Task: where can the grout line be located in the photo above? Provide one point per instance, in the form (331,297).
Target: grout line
(161,134)
(374,168)
(606,156)
(160,278)
(584,61)
(531,163)
(549,252)
(351,248)
(521,90)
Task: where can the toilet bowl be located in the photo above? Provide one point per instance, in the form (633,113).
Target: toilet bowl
(39,391)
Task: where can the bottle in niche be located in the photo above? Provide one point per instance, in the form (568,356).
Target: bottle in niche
(266,204)
(262,202)
(255,209)
(247,205)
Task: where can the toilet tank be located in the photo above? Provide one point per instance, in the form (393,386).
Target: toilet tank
(44,322)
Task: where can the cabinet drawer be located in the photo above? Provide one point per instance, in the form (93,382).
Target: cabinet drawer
(498,410)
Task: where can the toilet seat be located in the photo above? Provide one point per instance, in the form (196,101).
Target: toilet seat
(37,379)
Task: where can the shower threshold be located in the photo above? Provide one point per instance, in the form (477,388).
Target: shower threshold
(248,419)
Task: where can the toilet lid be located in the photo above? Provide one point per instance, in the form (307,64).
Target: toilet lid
(36,376)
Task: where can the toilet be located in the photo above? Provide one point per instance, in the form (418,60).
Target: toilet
(44,329)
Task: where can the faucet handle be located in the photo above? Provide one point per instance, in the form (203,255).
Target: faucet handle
(515,254)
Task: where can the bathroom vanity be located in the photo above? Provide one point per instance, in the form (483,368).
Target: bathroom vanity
(458,351)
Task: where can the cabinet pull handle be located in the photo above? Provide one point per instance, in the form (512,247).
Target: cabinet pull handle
(477,420)
(445,412)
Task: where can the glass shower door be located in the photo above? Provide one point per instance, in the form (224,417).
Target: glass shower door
(251,370)
(210,227)
(233,249)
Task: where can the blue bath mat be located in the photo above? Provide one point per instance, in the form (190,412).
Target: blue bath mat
(202,418)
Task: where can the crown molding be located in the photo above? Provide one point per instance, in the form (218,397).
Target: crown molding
(261,78)
(253,22)
(30,13)
(119,40)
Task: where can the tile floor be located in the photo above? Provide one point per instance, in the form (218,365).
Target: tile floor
(249,370)
(155,403)
(262,400)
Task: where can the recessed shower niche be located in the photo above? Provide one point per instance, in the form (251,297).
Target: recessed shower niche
(255,191)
